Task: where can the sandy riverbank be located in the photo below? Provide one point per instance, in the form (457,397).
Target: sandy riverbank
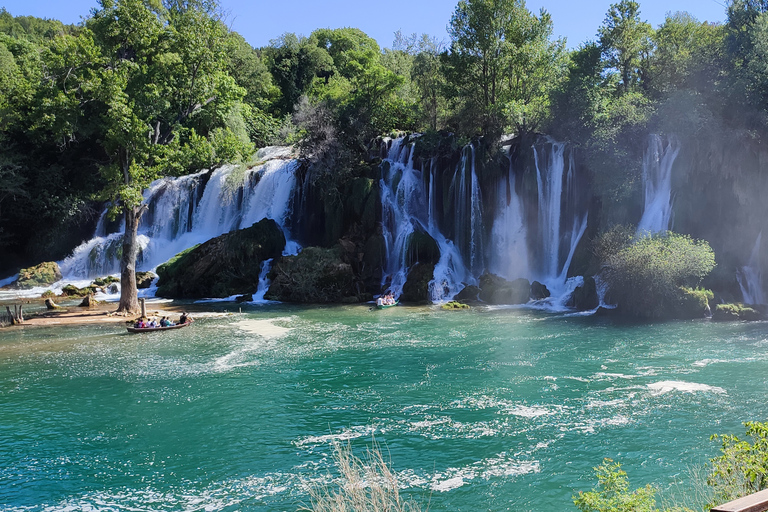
(103,313)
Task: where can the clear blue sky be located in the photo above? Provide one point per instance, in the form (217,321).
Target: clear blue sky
(260,21)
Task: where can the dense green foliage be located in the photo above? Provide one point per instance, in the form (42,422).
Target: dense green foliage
(652,275)
(612,493)
(740,470)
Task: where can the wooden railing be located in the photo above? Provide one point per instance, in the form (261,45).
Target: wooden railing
(757,502)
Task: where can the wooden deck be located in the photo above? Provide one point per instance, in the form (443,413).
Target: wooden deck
(757,502)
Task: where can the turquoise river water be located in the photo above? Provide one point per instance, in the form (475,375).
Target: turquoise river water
(481,410)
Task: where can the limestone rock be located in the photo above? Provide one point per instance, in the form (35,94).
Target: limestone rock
(584,297)
(316,275)
(497,290)
(470,293)
(223,266)
(539,291)
(416,287)
(43,274)
(733,312)
(144,279)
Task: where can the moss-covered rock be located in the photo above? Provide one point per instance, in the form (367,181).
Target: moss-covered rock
(73,291)
(584,297)
(416,287)
(453,305)
(144,279)
(314,276)
(106,281)
(733,312)
(223,266)
(43,274)
(692,303)
(497,290)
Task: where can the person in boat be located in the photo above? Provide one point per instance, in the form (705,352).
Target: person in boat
(380,300)
(184,318)
(164,322)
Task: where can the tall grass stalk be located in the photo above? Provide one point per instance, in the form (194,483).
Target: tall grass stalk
(367,485)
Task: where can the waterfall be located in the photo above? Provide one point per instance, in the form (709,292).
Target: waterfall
(408,206)
(750,277)
(657,180)
(509,248)
(264,281)
(559,231)
(414,201)
(186,211)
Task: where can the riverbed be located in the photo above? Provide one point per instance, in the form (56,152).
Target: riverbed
(486,409)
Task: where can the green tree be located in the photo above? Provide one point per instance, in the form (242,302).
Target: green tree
(156,71)
(294,63)
(626,42)
(428,76)
(502,63)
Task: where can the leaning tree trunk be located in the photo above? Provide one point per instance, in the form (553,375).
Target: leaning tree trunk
(129,293)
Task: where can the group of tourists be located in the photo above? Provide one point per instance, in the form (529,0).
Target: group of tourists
(153,323)
(386,300)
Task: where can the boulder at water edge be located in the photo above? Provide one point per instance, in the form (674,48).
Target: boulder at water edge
(43,274)
(539,291)
(223,266)
(314,276)
(733,312)
(585,297)
(144,279)
(497,290)
(416,287)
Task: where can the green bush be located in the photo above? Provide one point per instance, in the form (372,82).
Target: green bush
(612,492)
(651,276)
(742,468)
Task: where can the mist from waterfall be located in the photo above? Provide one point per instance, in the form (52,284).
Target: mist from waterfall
(658,160)
(750,277)
(186,211)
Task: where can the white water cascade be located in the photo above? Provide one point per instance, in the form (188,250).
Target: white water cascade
(657,179)
(189,210)
(450,209)
(509,244)
(407,207)
(750,277)
(559,230)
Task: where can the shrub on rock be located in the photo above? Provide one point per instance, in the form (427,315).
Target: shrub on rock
(647,277)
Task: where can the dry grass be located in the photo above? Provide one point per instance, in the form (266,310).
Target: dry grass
(363,485)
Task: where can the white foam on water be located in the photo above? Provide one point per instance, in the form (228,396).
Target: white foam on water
(667,386)
(345,435)
(264,328)
(502,465)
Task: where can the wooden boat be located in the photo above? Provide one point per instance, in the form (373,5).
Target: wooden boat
(153,329)
(385,306)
